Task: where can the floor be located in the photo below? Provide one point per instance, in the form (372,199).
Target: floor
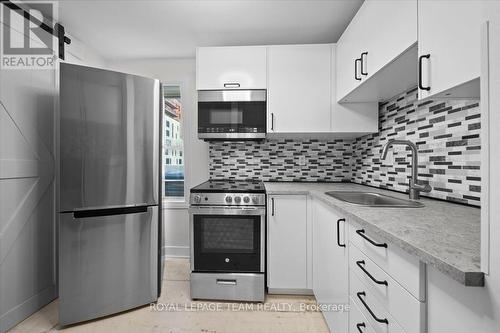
(180,314)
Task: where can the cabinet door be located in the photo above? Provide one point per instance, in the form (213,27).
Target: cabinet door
(389,34)
(376,36)
(350,117)
(299,88)
(234,67)
(349,48)
(330,264)
(287,242)
(449,32)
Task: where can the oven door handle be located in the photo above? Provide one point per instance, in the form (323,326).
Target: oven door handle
(221,210)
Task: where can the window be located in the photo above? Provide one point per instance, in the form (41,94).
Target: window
(173,168)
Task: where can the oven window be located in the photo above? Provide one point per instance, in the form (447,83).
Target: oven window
(228,235)
(227,243)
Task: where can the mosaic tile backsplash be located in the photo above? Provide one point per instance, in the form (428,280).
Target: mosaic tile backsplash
(279,160)
(447,135)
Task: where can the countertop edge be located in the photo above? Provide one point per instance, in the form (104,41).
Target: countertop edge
(466,278)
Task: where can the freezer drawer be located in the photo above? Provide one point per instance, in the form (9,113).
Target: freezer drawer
(107,264)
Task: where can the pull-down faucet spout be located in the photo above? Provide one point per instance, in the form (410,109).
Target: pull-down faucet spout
(415,186)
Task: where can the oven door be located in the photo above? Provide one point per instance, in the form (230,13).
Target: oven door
(232,114)
(227,239)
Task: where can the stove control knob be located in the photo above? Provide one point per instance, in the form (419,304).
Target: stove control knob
(197,199)
(255,200)
(237,200)
(246,199)
(229,199)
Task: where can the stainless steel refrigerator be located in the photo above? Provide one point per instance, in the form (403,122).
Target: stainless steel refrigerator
(110,218)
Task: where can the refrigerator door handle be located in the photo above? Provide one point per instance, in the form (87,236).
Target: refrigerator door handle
(109,211)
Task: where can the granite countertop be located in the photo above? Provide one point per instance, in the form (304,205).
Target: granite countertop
(442,234)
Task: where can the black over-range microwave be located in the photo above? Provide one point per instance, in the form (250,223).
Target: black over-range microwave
(232,114)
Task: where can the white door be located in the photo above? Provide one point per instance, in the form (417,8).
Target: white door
(287,242)
(449,38)
(330,264)
(233,67)
(298,88)
(27,191)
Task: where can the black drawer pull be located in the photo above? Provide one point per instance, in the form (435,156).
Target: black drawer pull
(420,85)
(362,63)
(356,69)
(272,206)
(360,264)
(338,232)
(362,293)
(361,232)
(359,325)
(232,85)
(272,121)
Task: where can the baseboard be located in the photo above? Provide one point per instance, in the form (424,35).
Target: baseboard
(176,252)
(288,291)
(27,308)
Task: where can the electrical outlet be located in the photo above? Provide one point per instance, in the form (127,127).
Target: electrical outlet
(302,160)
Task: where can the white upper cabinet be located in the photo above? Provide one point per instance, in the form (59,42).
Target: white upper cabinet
(298,88)
(232,67)
(381,31)
(350,117)
(449,47)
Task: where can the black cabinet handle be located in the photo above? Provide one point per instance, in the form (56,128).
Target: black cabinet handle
(356,69)
(360,264)
(272,206)
(362,63)
(420,85)
(272,121)
(359,325)
(232,85)
(361,232)
(362,293)
(338,232)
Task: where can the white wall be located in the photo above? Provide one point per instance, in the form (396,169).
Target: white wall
(183,71)
(81,54)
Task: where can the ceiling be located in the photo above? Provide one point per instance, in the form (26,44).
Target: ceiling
(174,28)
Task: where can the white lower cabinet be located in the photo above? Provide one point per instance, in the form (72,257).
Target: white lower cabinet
(287,244)
(330,260)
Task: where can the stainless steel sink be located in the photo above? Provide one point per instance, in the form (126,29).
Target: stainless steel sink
(371,199)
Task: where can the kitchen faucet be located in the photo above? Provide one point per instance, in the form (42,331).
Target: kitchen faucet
(415,186)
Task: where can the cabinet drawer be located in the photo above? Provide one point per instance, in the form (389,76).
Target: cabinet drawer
(357,321)
(367,303)
(401,266)
(405,308)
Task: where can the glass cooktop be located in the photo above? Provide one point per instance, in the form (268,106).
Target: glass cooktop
(230,186)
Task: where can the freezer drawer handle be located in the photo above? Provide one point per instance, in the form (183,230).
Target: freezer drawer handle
(226,282)
(232,85)
(109,211)
(361,232)
(360,264)
(362,293)
(359,325)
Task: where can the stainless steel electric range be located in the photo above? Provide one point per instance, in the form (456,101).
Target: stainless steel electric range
(227,229)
